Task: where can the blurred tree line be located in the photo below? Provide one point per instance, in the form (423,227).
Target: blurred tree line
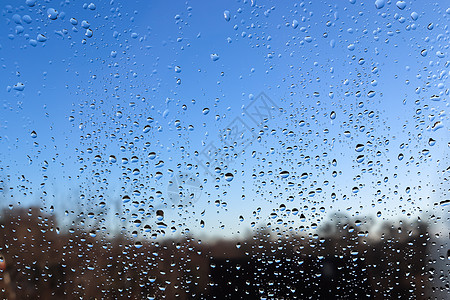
(339,261)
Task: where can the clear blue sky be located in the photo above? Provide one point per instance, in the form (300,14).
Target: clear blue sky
(88,79)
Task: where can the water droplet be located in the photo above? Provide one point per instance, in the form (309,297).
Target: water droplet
(89,33)
(226,15)
(30,3)
(414,15)
(284,174)
(160,215)
(302,218)
(401,4)
(27,19)
(380,3)
(205,111)
(359,148)
(333,115)
(437,126)
(431,142)
(33,134)
(52,14)
(440,54)
(19,86)
(370,94)
(85,24)
(214,56)
(229,177)
(41,38)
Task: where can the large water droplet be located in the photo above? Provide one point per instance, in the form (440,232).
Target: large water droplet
(52,14)
(359,148)
(401,4)
(380,3)
(19,86)
(229,177)
(284,174)
(159,215)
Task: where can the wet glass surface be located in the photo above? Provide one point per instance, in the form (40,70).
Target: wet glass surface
(224,149)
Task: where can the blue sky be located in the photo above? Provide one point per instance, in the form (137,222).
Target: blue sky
(160,64)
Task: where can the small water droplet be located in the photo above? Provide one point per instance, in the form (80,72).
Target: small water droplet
(89,33)
(214,56)
(41,38)
(226,15)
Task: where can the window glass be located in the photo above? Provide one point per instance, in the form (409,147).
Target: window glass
(224,149)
